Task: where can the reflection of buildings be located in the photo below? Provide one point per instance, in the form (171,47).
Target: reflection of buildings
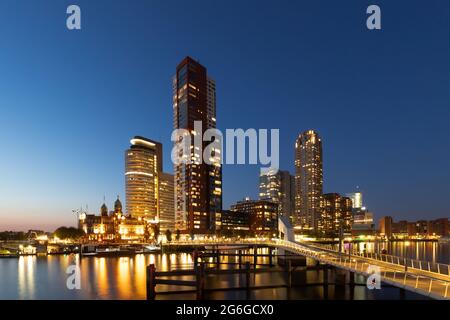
(336,214)
(308,180)
(198,185)
(279,187)
(262,215)
(113,226)
(419,229)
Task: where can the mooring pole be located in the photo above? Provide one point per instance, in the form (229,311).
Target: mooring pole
(195,258)
(289,265)
(240,258)
(200,275)
(270,257)
(151,284)
(247,278)
(255,256)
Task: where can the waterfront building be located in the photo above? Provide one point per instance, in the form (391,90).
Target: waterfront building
(234,223)
(262,216)
(385,227)
(363,223)
(420,229)
(166,197)
(336,215)
(357,199)
(308,181)
(143,162)
(115,227)
(279,187)
(198,185)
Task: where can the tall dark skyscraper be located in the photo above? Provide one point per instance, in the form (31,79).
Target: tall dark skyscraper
(308,180)
(198,186)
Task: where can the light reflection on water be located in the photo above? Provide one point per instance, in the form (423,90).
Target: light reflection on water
(32,277)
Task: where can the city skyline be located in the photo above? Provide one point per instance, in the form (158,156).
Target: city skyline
(370,139)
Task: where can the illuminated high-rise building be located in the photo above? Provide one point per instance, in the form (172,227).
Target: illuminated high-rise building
(166,196)
(357,199)
(336,214)
(143,162)
(279,187)
(198,185)
(308,180)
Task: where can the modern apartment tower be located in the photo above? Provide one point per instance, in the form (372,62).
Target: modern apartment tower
(198,186)
(143,162)
(166,197)
(279,187)
(308,180)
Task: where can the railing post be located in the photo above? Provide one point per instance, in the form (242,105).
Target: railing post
(446,290)
(151,284)
(417,282)
(431,284)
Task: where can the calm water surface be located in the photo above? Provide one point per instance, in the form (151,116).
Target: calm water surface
(34,277)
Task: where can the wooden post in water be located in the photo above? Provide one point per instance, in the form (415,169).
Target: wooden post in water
(255,256)
(200,277)
(218,259)
(289,265)
(195,258)
(270,256)
(151,284)
(240,258)
(247,278)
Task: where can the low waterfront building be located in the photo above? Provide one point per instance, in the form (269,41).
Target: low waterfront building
(112,227)
(234,223)
(262,216)
(363,224)
(421,229)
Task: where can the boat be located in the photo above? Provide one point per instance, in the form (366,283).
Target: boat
(151,248)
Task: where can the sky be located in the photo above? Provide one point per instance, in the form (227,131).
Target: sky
(71,100)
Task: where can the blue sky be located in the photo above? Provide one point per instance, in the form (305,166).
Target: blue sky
(71,100)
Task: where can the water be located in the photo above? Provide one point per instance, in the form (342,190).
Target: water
(32,277)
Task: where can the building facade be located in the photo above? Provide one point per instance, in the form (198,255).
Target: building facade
(279,187)
(198,185)
(166,197)
(336,215)
(262,216)
(143,162)
(308,181)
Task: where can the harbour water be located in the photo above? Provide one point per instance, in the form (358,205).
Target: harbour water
(34,277)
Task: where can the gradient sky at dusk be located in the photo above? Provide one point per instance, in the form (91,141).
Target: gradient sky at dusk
(71,100)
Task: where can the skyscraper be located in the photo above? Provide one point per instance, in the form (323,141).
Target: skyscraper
(308,180)
(279,187)
(357,199)
(336,213)
(198,186)
(166,202)
(143,162)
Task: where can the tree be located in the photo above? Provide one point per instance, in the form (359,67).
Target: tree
(68,233)
(177,235)
(168,235)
